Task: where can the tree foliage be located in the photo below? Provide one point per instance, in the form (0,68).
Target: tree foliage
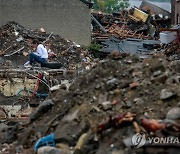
(110,6)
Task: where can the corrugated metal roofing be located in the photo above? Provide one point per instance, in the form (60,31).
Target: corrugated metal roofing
(87,2)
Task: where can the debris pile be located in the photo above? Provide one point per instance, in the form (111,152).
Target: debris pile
(105,107)
(118,25)
(15,45)
(172,50)
(91,105)
(135,31)
(143,28)
(23,88)
(123,33)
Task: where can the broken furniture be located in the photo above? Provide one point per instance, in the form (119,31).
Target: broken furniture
(138,15)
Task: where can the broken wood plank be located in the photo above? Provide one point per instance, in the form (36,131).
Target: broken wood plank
(22,73)
(14,52)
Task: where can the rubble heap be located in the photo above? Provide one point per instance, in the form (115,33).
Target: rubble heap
(120,26)
(106,106)
(107,103)
(16,41)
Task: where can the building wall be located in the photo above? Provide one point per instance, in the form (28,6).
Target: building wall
(69,18)
(155,9)
(172,11)
(177,12)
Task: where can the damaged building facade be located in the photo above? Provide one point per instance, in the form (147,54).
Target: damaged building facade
(156,9)
(175,7)
(69,18)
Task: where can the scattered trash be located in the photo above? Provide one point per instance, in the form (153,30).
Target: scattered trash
(45,141)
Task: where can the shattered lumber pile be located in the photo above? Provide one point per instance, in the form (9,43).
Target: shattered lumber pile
(172,49)
(118,26)
(21,73)
(120,32)
(123,33)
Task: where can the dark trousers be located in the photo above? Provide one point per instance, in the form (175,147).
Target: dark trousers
(35,58)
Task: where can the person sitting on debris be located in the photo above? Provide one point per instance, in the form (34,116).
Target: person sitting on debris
(39,53)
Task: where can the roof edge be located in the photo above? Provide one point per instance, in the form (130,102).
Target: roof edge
(88,3)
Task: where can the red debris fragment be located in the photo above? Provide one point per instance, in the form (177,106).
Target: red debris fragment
(133,85)
(115,121)
(152,125)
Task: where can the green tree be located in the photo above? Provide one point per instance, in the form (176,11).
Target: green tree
(110,6)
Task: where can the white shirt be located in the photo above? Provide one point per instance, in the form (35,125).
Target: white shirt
(42,51)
